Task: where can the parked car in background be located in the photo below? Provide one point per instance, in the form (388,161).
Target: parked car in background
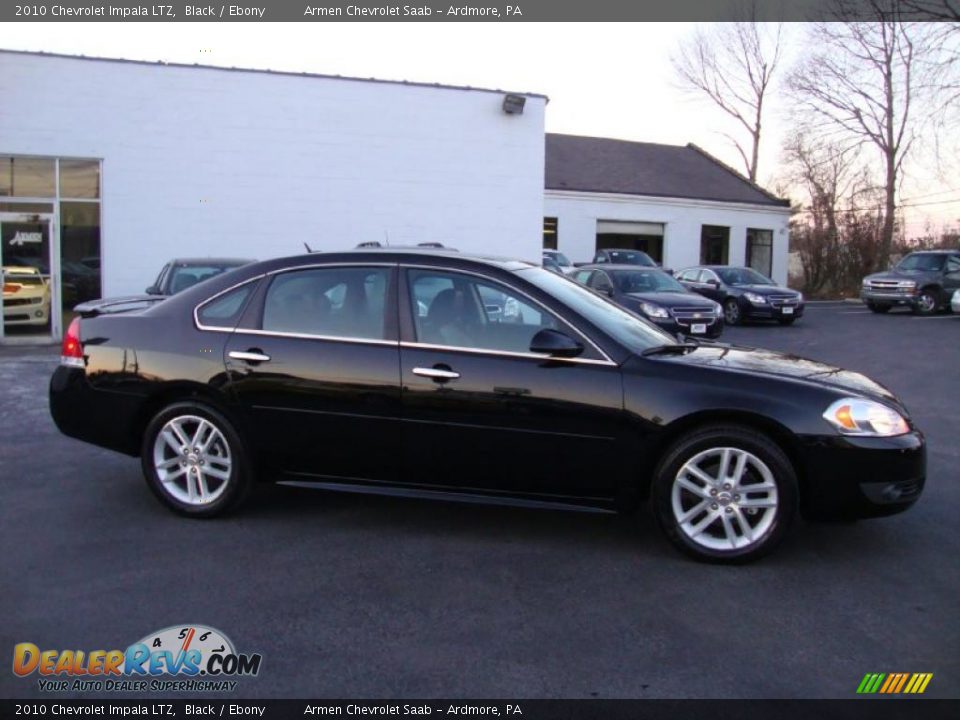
(324,369)
(922,281)
(623,257)
(744,293)
(552,265)
(656,296)
(26,296)
(178,275)
(560,259)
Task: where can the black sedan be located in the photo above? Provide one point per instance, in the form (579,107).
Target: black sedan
(744,293)
(656,296)
(384,371)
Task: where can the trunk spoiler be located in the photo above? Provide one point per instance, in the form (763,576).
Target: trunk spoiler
(111,306)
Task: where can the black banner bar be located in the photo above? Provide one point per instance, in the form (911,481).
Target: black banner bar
(449,11)
(855,709)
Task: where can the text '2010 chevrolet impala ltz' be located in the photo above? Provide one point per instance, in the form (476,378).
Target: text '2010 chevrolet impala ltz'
(440,373)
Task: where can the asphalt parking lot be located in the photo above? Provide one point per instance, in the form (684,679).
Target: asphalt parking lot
(360,596)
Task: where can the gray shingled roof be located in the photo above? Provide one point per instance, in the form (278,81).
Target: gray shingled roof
(634,168)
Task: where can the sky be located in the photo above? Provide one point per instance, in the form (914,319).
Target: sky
(603,79)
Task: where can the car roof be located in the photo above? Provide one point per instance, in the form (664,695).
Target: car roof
(621,250)
(450,257)
(619,266)
(212,261)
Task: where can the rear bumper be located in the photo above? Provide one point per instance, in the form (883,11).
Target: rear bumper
(848,478)
(107,419)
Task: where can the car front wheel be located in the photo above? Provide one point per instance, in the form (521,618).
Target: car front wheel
(731,312)
(725,494)
(194,461)
(927,302)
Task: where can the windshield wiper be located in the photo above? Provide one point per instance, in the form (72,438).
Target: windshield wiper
(679,348)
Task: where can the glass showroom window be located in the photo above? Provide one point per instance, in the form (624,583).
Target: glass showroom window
(760,251)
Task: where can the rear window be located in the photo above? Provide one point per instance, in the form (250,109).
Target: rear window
(225,311)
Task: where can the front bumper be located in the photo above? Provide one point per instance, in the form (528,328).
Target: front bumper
(851,477)
(766,311)
(888,297)
(26,314)
(713,327)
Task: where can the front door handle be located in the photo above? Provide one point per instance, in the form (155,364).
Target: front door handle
(251,356)
(437,374)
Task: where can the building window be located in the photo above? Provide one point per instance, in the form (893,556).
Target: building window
(27,177)
(550,226)
(714,245)
(760,251)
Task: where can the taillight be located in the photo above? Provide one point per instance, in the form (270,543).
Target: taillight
(72,352)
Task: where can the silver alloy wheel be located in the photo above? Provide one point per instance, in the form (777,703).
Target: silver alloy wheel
(927,302)
(192,460)
(724,498)
(731,312)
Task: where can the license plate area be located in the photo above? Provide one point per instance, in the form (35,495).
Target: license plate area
(698,328)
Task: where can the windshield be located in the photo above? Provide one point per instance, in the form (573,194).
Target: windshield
(922,262)
(645,281)
(559,257)
(626,328)
(630,257)
(742,276)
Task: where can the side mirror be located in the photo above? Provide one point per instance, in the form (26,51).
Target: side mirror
(152,290)
(555,344)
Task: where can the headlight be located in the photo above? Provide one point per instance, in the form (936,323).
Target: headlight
(717,309)
(654,311)
(755,299)
(907,283)
(853,416)
(799,297)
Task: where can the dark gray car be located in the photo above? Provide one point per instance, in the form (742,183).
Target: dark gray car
(922,281)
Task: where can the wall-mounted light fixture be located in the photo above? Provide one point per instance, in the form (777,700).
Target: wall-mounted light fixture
(513,104)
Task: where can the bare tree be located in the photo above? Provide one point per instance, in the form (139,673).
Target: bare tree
(859,86)
(733,65)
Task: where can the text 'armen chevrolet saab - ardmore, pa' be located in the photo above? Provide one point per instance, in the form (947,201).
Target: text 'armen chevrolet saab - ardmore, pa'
(437,373)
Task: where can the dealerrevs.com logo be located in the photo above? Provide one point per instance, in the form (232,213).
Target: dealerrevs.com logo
(181,657)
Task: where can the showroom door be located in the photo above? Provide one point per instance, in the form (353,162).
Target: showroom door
(31,290)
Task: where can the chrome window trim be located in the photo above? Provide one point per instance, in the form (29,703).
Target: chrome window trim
(220,328)
(505,353)
(308,336)
(534,301)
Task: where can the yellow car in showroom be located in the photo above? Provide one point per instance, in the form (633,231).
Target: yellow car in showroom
(26,297)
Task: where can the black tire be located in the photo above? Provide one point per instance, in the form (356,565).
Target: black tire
(227,447)
(787,321)
(772,522)
(928,302)
(878,308)
(731,312)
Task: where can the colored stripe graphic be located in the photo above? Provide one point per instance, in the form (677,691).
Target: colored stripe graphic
(894,683)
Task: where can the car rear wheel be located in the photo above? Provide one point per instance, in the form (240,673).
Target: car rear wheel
(927,302)
(193,460)
(878,307)
(731,312)
(725,494)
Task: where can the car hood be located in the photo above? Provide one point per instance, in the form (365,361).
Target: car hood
(765,289)
(900,275)
(672,299)
(770,362)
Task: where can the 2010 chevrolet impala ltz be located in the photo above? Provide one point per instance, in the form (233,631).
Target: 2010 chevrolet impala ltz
(438,373)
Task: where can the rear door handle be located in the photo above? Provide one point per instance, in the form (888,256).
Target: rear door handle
(250,356)
(437,374)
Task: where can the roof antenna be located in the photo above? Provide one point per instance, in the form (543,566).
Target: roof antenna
(309,249)
(386,236)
